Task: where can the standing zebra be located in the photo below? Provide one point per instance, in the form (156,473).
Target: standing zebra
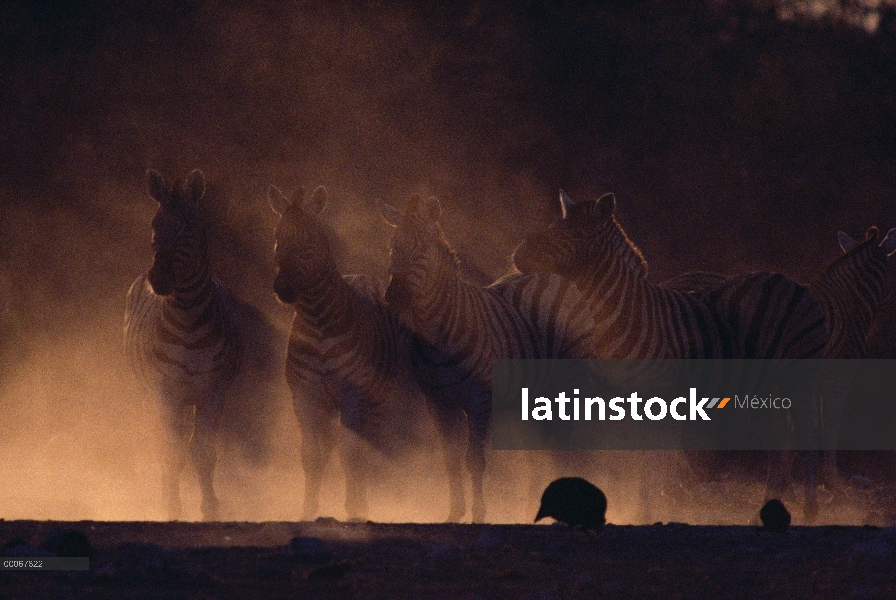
(180,335)
(849,291)
(346,355)
(461,328)
(761,315)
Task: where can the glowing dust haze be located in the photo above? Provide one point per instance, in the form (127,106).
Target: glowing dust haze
(733,141)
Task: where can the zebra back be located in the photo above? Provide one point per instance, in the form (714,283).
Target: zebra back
(556,309)
(768,316)
(519,316)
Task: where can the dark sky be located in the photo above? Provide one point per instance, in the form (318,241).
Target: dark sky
(733,141)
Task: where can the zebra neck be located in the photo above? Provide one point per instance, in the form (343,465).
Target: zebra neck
(851,300)
(435,311)
(330,303)
(192,304)
(622,304)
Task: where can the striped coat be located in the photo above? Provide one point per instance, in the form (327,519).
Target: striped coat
(762,315)
(633,318)
(347,355)
(850,291)
(180,335)
(461,328)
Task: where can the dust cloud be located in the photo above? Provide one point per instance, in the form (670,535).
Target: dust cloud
(734,142)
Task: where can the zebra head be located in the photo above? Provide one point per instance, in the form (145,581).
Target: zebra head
(302,248)
(419,251)
(586,241)
(885,248)
(863,261)
(179,238)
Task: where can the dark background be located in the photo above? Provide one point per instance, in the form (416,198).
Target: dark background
(735,140)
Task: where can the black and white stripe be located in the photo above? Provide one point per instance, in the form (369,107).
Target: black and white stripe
(850,291)
(633,318)
(347,354)
(461,328)
(180,337)
(761,315)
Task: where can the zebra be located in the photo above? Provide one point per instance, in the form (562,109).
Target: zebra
(347,354)
(760,315)
(849,291)
(180,335)
(461,328)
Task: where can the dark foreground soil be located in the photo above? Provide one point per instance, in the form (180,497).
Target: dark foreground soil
(331,559)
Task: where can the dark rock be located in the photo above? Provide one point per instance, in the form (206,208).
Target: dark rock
(574,501)
(774,516)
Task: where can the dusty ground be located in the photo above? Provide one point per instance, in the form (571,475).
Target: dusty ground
(332,559)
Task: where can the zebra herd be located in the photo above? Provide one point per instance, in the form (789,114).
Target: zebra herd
(358,357)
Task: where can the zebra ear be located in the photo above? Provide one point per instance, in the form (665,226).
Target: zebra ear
(433,209)
(390,214)
(277,200)
(889,243)
(565,204)
(316,203)
(846,242)
(155,183)
(603,208)
(195,187)
(872,233)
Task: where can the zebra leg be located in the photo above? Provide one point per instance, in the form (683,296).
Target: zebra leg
(204,455)
(835,380)
(476,467)
(807,433)
(354,464)
(478,424)
(178,424)
(317,421)
(449,419)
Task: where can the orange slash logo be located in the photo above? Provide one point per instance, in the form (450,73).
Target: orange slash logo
(721,404)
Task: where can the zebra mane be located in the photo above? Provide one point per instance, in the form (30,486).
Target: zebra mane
(445,247)
(624,248)
(448,249)
(843,260)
